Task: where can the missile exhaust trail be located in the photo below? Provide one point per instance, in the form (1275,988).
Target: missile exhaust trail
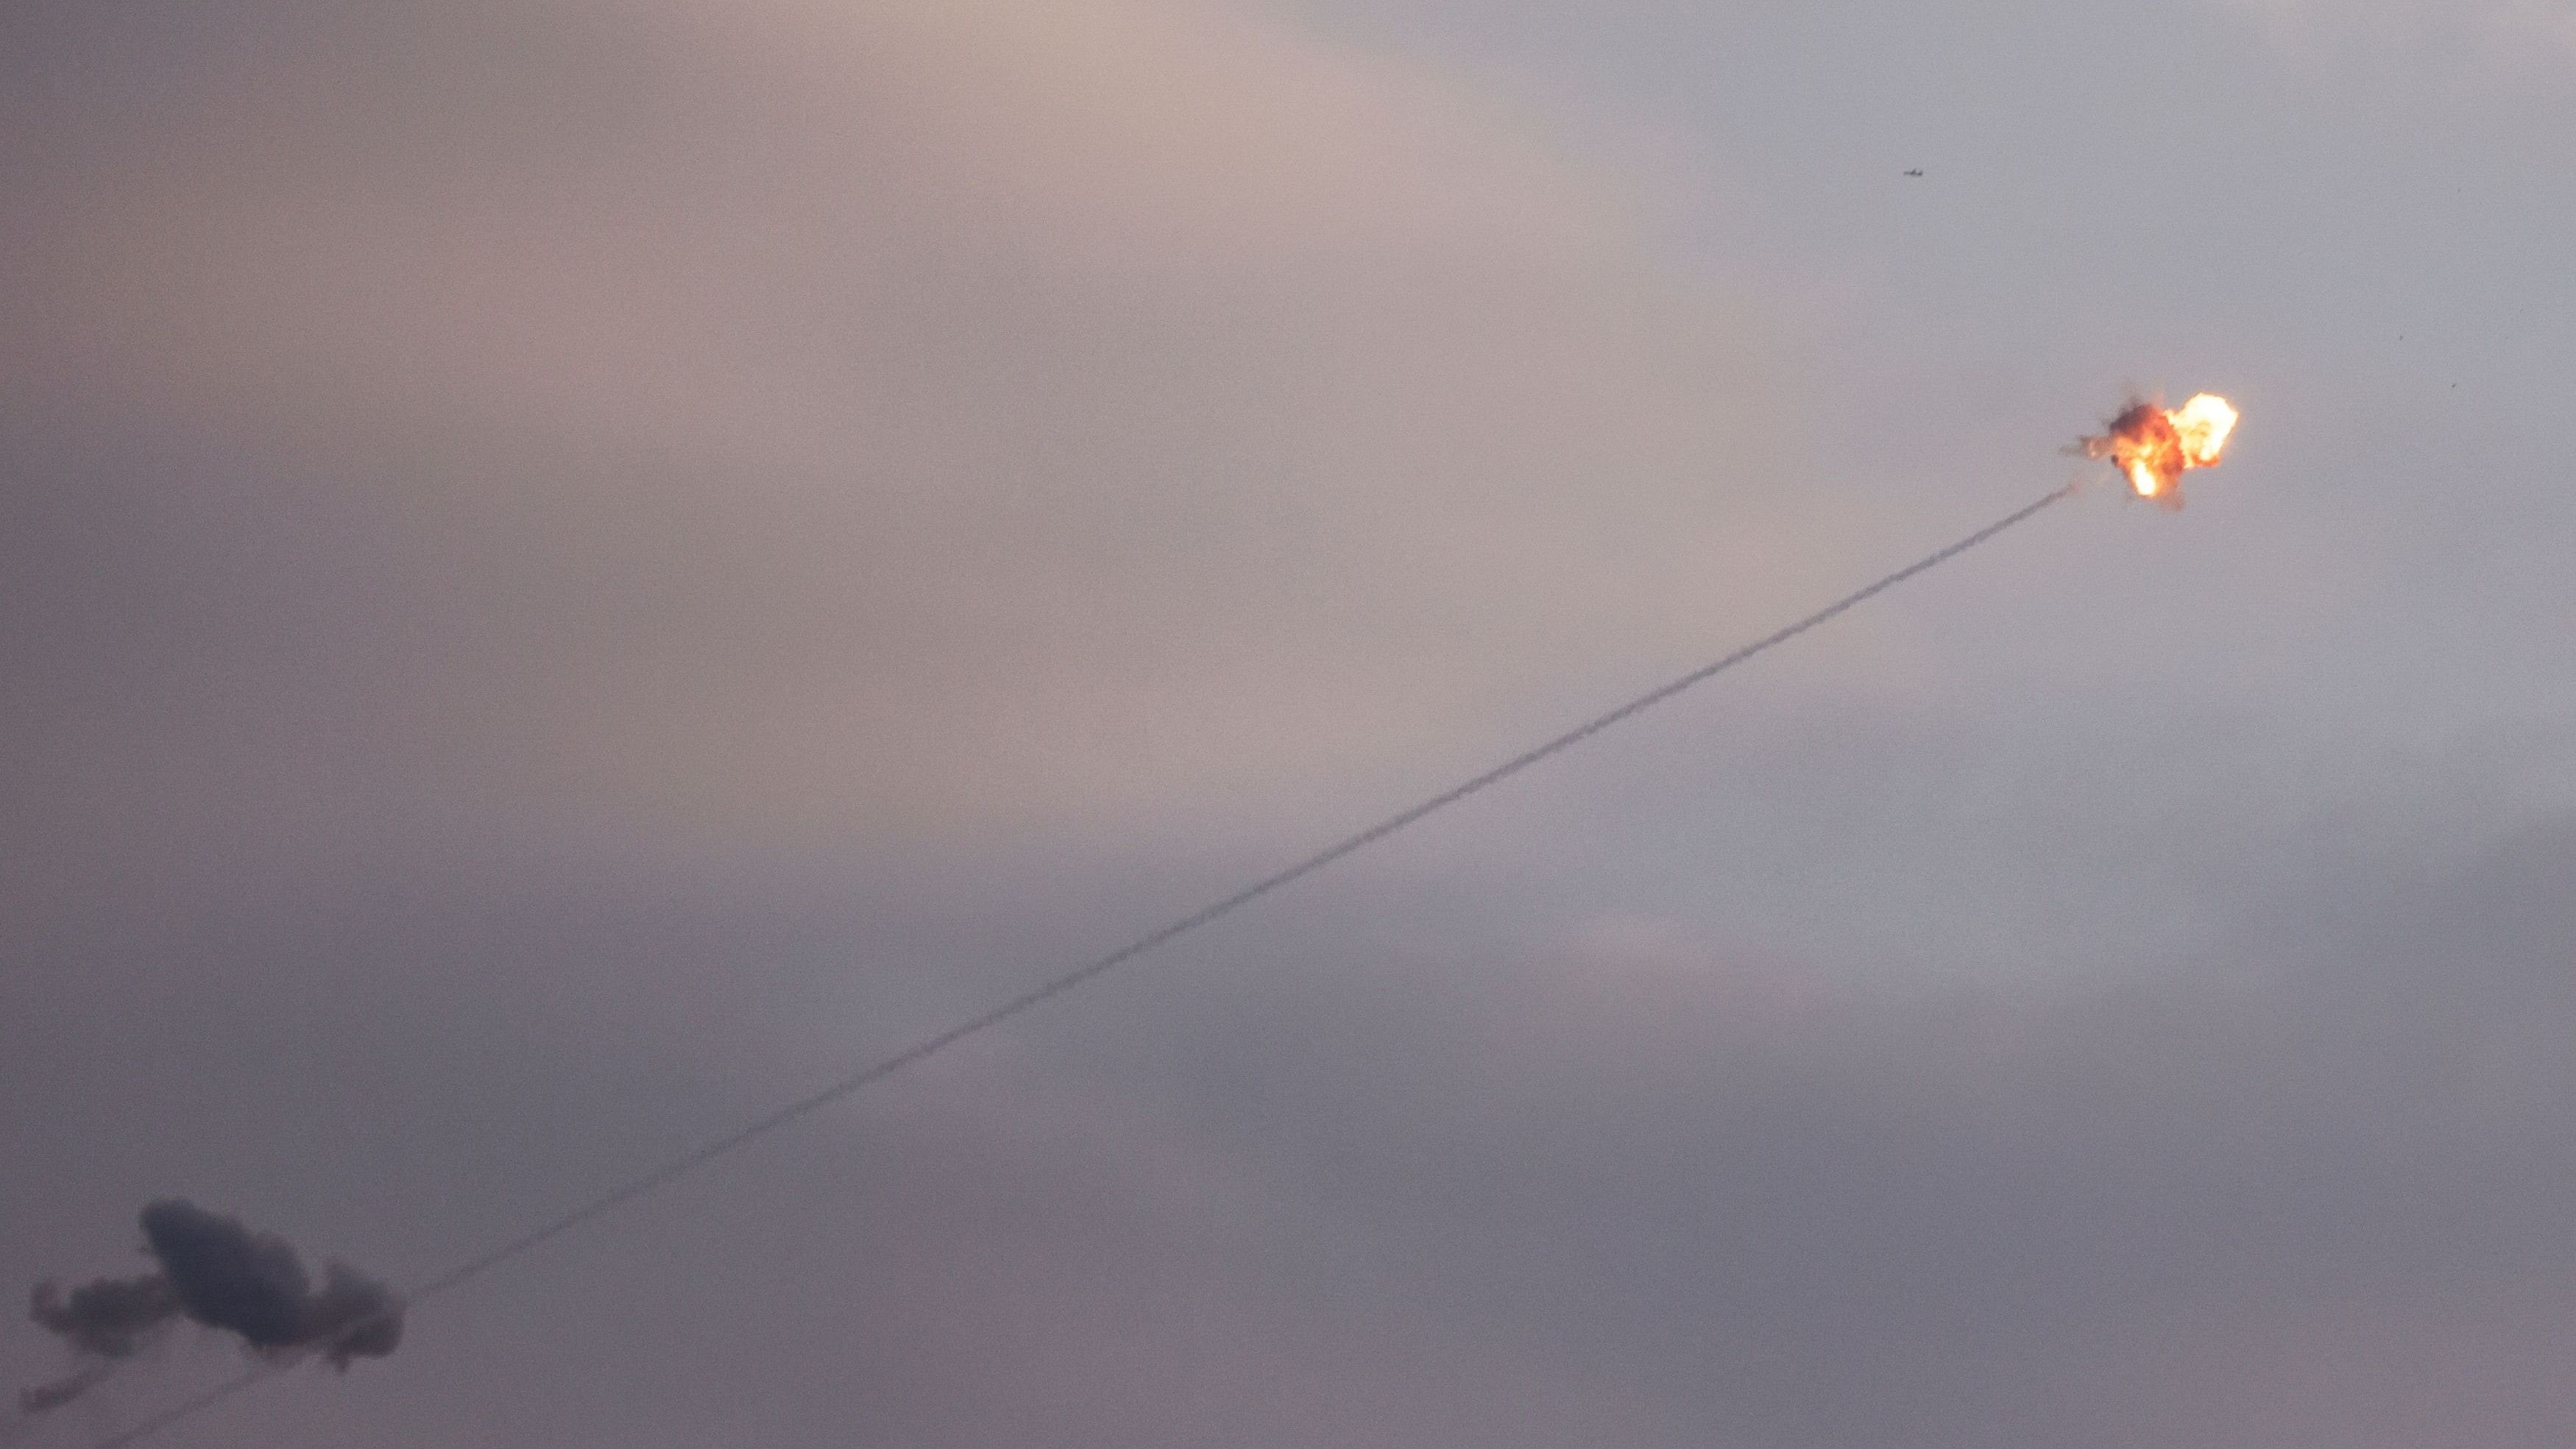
(1056,986)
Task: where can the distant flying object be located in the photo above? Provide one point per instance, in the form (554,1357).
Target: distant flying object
(1917,171)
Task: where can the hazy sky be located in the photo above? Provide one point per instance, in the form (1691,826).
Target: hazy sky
(574,569)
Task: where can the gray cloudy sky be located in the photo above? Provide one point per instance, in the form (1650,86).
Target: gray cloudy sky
(574,570)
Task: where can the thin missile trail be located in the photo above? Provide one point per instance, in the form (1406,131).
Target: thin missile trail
(1039,995)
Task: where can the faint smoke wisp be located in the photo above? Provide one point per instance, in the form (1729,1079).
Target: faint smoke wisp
(212,1270)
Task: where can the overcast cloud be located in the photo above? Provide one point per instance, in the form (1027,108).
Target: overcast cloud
(574,570)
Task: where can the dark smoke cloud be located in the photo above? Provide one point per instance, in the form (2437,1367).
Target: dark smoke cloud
(227,1276)
(110,1318)
(218,1272)
(354,1316)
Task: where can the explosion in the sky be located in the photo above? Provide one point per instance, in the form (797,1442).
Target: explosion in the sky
(2153,447)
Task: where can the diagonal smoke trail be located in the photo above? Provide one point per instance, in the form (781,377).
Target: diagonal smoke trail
(762,1126)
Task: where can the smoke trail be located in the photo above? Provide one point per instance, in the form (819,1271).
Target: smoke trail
(1047,991)
(215,1271)
(53,1395)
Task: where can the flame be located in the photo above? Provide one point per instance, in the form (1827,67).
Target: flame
(2203,425)
(2155,447)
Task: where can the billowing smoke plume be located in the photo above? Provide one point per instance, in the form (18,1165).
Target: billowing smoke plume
(217,1272)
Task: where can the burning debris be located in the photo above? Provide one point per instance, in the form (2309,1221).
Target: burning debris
(2153,447)
(217,1272)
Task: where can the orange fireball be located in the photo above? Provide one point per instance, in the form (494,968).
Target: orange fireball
(2154,447)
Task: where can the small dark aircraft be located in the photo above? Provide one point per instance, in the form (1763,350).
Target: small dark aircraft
(1917,171)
